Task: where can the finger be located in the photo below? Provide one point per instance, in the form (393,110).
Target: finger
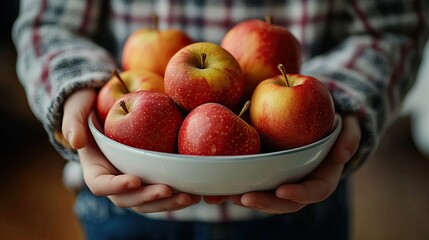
(236,199)
(100,176)
(269,203)
(175,202)
(76,111)
(324,180)
(348,141)
(195,199)
(141,196)
(215,199)
(316,187)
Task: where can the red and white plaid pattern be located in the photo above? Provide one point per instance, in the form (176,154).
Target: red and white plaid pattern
(367,52)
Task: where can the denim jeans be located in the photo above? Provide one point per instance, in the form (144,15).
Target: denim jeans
(101,220)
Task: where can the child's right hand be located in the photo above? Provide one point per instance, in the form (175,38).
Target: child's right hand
(101,177)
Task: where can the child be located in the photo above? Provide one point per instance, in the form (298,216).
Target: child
(366,52)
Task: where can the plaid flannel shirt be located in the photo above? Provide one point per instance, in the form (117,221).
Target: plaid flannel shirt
(366,52)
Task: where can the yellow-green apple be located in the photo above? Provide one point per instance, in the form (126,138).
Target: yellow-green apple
(259,46)
(203,72)
(151,48)
(125,82)
(213,129)
(145,119)
(291,110)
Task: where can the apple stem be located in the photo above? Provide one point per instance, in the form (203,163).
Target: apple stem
(203,60)
(124,107)
(116,74)
(155,22)
(282,69)
(269,19)
(245,108)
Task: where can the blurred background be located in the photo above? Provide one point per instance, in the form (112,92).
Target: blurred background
(389,194)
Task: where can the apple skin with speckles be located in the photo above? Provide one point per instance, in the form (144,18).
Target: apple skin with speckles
(294,115)
(134,80)
(151,49)
(151,121)
(258,47)
(211,129)
(191,80)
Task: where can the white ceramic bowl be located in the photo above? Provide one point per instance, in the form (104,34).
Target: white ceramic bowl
(215,175)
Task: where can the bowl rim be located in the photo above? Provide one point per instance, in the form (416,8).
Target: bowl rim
(337,123)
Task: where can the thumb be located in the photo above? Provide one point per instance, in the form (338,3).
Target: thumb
(76,110)
(348,141)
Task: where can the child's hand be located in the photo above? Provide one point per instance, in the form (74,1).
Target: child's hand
(316,187)
(101,177)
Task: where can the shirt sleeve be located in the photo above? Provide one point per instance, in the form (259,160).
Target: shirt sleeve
(56,56)
(374,65)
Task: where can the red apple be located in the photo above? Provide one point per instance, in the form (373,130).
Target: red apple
(151,49)
(125,82)
(291,110)
(145,119)
(203,72)
(259,46)
(213,129)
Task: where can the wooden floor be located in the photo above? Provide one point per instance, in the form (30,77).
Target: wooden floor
(390,194)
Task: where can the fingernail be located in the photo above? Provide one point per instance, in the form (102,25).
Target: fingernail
(183,200)
(133,184)
(69,139)
(246,202)
(282,194)
(69,136)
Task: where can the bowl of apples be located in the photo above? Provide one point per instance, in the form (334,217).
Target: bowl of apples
(215,175)
(184,127)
